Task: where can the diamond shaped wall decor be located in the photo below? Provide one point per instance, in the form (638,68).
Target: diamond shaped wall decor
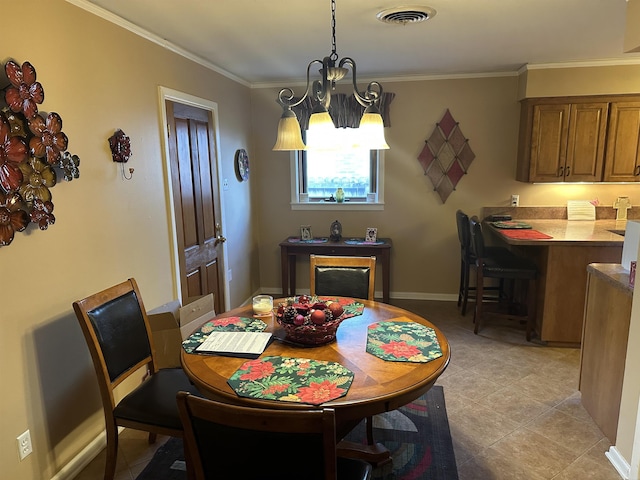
(446,156)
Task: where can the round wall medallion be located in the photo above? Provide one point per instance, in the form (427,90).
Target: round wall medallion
(242,164)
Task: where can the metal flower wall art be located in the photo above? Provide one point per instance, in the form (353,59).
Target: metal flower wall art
(120,146)
(33,154)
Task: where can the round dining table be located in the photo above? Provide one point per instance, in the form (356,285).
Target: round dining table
(378,385)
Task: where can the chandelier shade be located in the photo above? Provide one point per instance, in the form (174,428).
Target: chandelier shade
(289,134)
(369,134)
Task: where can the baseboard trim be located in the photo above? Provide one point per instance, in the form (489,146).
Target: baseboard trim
(83,458)
(618,462)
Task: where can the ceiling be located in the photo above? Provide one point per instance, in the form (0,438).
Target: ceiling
(270,42)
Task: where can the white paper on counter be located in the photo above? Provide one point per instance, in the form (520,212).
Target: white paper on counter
(580,210)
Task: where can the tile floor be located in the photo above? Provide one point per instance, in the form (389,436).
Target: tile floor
(514,409)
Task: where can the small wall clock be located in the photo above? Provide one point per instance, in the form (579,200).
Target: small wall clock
(242,165)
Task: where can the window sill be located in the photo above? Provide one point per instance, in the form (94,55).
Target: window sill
(337,206)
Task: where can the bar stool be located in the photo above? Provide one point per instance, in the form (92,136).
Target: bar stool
(520,301)
(468,260)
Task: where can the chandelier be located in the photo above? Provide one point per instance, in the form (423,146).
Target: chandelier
(369,134)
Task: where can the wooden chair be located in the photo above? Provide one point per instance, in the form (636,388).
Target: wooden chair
(116,328)
(343,276)
(468,261)
(230,441)
(520,272)
(346,277)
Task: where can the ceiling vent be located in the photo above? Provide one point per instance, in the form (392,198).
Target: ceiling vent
(405,15)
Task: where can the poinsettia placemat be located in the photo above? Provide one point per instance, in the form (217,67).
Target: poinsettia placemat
(226,324)
(291,379)
(398,341)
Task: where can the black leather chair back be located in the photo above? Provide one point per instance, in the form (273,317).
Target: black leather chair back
(464,233)
(121,332)
(477,240)
(342,281)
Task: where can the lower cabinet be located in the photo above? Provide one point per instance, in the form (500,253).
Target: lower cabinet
(605,334)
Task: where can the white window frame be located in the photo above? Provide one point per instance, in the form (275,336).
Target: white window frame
(296,204)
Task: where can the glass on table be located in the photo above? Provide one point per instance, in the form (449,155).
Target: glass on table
(262,305)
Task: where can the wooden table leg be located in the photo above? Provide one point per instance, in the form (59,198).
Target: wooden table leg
(376,454)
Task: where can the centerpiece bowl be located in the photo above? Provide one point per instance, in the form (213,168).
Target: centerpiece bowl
(310,321)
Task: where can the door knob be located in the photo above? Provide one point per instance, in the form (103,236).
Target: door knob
(219,237)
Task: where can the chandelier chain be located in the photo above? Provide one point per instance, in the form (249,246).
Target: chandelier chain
(334,54)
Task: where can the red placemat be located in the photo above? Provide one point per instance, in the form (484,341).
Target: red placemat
(525,234)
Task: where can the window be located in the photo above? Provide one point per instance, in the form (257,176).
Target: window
(319,173)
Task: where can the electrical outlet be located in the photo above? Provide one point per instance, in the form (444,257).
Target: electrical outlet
(24,445)
(515,200)
(229,275)
(225,184)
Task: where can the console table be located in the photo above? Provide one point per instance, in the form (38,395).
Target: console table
(291,248)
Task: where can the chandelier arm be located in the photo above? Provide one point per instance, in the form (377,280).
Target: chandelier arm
(372,93)
(322,93)
(286,96)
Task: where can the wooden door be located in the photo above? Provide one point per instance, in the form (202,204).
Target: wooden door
(549,133)
(585,150)
(197,202)
(622,161)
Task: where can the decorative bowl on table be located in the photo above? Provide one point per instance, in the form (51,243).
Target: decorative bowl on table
(310,321)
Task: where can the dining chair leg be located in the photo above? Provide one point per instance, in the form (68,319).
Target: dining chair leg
(465,298)
(191,474)
(477,317)
(112,452)
(461,286)
(531,308)
(152,438)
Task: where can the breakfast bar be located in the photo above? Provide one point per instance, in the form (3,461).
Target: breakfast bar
(562,251)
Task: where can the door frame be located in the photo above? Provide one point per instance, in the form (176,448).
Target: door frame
(168,94)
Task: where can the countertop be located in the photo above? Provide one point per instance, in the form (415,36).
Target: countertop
(614,274)
(595,233)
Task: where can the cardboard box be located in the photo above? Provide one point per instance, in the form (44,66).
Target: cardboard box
(170,324)
(196,313)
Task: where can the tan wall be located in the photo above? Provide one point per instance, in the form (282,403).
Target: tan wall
(558,82)
(632,32)
(425,251)
(98,77)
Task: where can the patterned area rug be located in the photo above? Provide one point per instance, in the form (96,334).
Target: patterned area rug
(417,435)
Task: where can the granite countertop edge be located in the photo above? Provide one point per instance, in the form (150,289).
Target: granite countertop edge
(553,221)
(614,274)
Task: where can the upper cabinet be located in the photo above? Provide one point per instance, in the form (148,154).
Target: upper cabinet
(567,139)
(622,162)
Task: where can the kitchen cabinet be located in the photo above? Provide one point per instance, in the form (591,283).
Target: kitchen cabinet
(561,141)
(623,143)
(579,139)
(607,316)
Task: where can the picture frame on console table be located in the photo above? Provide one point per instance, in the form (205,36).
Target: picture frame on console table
(371,234)
(305,232)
